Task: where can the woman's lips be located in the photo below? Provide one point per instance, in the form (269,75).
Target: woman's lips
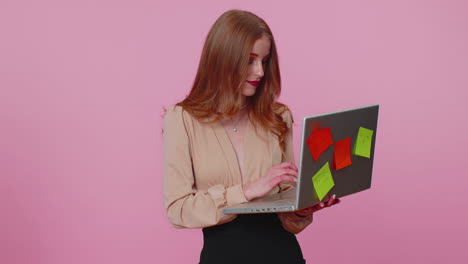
(254,83)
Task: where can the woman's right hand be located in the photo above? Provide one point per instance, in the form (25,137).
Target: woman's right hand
(283,172)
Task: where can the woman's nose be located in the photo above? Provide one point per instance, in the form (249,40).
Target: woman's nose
(259,69)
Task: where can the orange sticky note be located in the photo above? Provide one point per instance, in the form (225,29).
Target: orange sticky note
(342,154)
(319,141)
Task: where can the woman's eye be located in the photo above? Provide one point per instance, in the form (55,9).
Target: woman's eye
(264,62)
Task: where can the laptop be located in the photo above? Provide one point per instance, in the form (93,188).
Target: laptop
(337,155)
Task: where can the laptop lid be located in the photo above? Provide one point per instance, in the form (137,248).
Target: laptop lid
(354,177)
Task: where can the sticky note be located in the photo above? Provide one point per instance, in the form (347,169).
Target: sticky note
(319,141)
(362,145)
(342,154)
(323,181)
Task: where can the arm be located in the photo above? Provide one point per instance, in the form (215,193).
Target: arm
(186,207)
(291,221)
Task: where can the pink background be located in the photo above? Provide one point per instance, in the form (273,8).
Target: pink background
(82,85)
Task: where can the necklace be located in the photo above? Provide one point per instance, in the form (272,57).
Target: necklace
(234,128)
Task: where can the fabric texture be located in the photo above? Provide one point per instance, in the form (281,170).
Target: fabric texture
(256,238)
(202,176)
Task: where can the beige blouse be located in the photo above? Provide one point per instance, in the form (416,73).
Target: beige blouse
(202,173)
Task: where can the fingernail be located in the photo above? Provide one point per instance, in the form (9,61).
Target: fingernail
(334,196)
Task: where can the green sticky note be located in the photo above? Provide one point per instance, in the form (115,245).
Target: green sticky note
(362,145)
(323,181)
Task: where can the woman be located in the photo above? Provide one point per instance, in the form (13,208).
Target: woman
(229,141)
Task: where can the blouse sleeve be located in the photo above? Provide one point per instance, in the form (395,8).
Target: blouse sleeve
(187,207)
(290,221)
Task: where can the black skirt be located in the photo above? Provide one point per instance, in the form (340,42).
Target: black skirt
(254,238)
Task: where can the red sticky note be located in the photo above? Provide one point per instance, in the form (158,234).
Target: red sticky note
(342,154)
(319,141)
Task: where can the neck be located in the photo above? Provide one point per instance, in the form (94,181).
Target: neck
(240,114)
(243,102)
(236,119)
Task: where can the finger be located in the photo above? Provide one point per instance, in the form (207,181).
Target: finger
(318,207)
(293,166)
(289,172)
(304,213)
(287,165)
(284,171)
(326,199)
(307,210)
(332,200)
(288,178)
(337,201)
(283,178)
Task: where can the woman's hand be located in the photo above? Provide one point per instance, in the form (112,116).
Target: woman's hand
(295,222)
(310,210)
(283,172)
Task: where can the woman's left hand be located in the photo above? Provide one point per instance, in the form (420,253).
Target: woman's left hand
(310,210)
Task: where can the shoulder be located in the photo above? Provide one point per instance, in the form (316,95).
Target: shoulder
(285,112)
(176,113)
(176,116)
(173,110)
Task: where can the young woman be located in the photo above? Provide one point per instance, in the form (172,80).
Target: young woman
(229,141)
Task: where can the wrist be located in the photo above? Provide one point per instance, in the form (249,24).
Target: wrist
(247,191)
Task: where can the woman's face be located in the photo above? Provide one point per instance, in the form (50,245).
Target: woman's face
(257,63)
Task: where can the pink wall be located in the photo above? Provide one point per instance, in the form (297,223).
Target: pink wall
(82,86)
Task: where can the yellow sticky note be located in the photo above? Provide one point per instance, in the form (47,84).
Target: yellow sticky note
(323,181)
(362,145)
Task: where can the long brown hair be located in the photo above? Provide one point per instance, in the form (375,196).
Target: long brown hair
(216,92)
